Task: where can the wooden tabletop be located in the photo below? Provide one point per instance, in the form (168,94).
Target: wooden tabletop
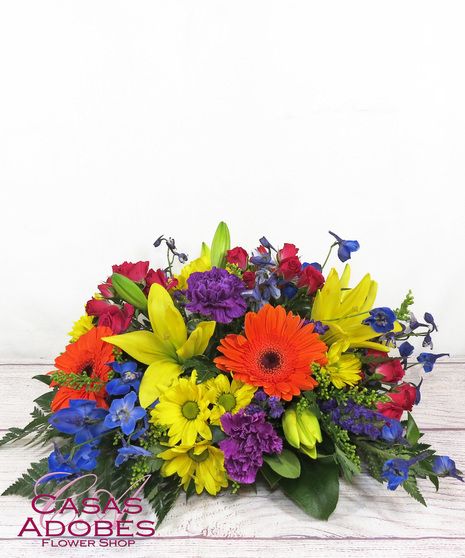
(369,521)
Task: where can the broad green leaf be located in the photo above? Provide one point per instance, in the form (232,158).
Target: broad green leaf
(317,488)
(286,464)
(271,477)
(413,433)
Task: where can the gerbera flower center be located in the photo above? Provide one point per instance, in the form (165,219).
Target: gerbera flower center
(190,410)
(86,368)
(228,401)
(197,457)
(270,360)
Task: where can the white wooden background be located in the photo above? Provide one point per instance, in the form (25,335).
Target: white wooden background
(369,520)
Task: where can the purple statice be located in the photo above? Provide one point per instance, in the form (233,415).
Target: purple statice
(249,436)
(354,418)
(217,294)
(262,403)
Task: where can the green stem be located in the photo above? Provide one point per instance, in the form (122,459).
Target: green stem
(329,253)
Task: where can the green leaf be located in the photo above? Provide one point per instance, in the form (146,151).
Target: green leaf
(204,367)
(349,468)
(24,486)
(413,433)
(286,463)
(271,477)
(44,378)
(434,479)
(317,488)
(411,487)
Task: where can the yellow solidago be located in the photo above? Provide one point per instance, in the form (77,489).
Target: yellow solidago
(343,369)
(343,310)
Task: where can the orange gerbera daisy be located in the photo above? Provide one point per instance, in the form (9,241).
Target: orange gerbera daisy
(276,352)
(86,357)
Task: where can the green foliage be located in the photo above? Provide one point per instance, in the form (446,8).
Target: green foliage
(24,486)
(317,488)
(403,313)
(413,433)
(286,463)
(161,493)
(411,487)
(204,367)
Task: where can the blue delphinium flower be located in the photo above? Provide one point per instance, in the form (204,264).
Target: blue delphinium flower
(418,397)
(130,452)
(446,466)
(392,432)
(381,319)
(66,468)
(129,377)
(396,470)
(81,418)
(346,247)
(430,320)
(276,408)
(122,413)
(428,360)
(289,290)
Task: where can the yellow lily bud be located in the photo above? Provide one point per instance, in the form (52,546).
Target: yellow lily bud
(220,245)
(289,422)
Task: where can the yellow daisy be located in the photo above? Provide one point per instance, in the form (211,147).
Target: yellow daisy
(184,409)
(343,369)
(201,462)
(83,325)
(228,397)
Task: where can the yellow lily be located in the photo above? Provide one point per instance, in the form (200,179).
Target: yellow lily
(343,311)
(167,348)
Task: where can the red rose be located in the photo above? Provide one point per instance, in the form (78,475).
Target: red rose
(403,399)
(289,267)
(154,277)
(96,307)
(249,279)
(116,319)
(392,370)
(136,272)
(237,256)
(311,277)
(287,251)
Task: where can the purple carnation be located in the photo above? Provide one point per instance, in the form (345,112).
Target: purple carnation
(216,293)
(249,437)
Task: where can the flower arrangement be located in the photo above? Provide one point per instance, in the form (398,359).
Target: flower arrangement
(243,365)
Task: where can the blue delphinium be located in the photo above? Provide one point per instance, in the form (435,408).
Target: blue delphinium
(346,247)
(396,470)
(381,320)
(129,378)
(130,452)
(446,466)
(65,467)
(124,414)
(81,418)
(392,432)
(428,360)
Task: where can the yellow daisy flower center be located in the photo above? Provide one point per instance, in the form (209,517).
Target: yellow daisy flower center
(197,457)
(227,400)
(190,410)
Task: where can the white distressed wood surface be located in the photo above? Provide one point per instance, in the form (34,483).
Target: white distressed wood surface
(369,520)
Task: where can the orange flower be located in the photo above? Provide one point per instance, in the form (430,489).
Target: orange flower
(276,353)
(86,357)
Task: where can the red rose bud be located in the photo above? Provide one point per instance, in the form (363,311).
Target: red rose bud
(287,251)
(237,256)
(249,279)
(289,267)
(311,277)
